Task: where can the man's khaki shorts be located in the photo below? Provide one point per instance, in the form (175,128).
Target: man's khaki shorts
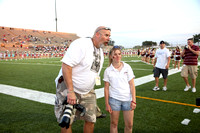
(87,100)
(189,70)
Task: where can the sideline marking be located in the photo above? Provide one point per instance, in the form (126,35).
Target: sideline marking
(165,101)
(38,96)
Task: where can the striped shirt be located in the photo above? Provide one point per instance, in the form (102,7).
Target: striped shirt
(191,58)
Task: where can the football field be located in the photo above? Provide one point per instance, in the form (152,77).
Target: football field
(156,112)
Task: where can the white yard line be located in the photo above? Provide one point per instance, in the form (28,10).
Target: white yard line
(29,94)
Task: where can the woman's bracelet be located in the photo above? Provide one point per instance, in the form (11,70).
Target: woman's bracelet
(133,102)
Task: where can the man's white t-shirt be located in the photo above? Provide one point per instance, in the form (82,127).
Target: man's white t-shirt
(119,82)
(162,57)
(80,56)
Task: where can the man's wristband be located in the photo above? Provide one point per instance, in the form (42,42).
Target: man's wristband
(133,102)
(70,91)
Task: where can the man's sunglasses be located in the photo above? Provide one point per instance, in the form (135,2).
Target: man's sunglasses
(106,28)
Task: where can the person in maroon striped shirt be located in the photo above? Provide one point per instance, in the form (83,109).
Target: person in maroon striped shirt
(190,53)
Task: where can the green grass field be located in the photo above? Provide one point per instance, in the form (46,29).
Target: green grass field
(24,116)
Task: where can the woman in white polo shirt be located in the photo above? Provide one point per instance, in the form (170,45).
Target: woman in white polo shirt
(119,90)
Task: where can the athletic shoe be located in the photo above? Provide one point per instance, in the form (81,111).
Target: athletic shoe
(164,88)
(194,90)
(156,88)
(187,88)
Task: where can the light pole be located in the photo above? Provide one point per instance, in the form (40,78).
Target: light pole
(56,17)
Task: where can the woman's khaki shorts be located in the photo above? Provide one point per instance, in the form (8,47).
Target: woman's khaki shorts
(189,70)
(87,100)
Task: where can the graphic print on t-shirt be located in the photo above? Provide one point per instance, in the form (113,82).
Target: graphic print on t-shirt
(96,62)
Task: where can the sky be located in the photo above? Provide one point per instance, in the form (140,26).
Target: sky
(131,21)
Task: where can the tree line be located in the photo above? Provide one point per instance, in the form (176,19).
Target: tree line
(196,39)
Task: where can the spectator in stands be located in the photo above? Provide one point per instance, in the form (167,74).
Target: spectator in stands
(79,73)
(190,53)
(2,45)
(121,93)
(5,40)
(161,65)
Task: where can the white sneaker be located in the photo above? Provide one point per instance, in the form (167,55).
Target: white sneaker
(164,88)
(194,90)
(187,88)
(156,88)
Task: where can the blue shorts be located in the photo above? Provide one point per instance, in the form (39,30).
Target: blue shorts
(118,105)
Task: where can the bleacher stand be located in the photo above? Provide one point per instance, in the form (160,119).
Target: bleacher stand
(19,43)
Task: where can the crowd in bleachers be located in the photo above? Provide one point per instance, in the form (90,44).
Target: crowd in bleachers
(35,52)
(25,36)
(25,43)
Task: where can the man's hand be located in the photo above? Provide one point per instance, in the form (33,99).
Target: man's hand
(71,98)
(193,51)
(167,66)
(189,47)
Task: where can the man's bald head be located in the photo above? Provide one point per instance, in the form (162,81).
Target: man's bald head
(101,28)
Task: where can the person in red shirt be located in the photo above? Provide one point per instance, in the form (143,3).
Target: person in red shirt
(190,53)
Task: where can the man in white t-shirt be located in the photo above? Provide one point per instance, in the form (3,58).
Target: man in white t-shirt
(161,65)
(80,71)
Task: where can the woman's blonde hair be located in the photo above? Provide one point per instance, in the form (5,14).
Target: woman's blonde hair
(111,51)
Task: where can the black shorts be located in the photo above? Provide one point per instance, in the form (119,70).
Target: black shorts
(158,71)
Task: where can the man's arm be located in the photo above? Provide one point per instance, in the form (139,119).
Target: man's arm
(183,52)
(167,66)
(67,74)
(193,51)
(154,62)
